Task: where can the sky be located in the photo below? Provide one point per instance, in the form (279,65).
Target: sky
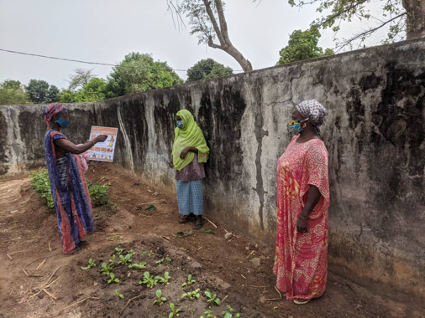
(106,30)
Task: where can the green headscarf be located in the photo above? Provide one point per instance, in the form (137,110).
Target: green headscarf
(188,136)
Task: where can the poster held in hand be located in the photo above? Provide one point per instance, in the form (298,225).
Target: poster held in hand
(103,151)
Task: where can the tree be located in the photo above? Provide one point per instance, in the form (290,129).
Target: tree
(80,78)
(67,96)
(208,22)
(38,90)
(393,16)
(93,91)
(140,73)
(302,46)
(12,93)
(53,94)
(206,69)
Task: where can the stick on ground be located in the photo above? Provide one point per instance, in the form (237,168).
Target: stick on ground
(211,222)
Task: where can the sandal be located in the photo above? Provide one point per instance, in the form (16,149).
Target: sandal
(301,301)
(184,219)
(199,223)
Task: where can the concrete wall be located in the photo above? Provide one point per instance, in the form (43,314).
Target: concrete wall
(375,138)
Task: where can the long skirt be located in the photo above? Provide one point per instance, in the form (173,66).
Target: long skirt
(190,197)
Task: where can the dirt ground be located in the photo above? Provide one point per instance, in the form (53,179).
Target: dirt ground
(37,280)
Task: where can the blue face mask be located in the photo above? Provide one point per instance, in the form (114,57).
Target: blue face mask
(179,124)
(294,127)
(62,122)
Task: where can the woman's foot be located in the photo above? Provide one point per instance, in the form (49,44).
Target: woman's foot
(199,222)
(76,250)
(301,301)
(184,219)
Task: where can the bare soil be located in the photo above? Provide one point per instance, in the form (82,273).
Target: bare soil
(238,270)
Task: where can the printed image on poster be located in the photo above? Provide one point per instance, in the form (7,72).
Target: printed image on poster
(103,151)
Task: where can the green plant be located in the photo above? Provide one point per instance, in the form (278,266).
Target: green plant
(106,269)
(40,183)
(149,280)
(212,298)
(168,260)
(113,279)
(138,266)
(119,250)
(208,314)
(160,261)
(206,231)
(160,300)
(118,294)
(151,208)
(183,234)
(164,280)
(125,259)
(144,253)
(91,264)
(192,295)
(99,194)
(174,311)
(131,252)
(151,253)
(189,282)
(112,261)
(228,313)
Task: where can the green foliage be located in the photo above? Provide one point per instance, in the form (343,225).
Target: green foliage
(183,234)
(174,311)
(118,294)
(119,251)
(106,269)
(40,91)
(159,262)
(192,295)
(140,73)
(164,280)
(93,91)
(112,261)
(302,45)
(91,264)
(125,259)
(81,78)
(208,314)
(206,69)
(53,94)
(212,298)
(113,279)
(168,260)
(41,185)
(149,280)
(138,266)
(207,231)
(228,313)
(12,93)
(144,253)
(159,300)
(99,194)
(189,282)
(67,96)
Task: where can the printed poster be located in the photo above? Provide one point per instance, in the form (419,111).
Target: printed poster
(103,151)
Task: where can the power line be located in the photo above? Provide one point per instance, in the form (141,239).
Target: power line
(84,62)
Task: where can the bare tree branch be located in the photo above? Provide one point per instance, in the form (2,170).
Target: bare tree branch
(222,19)
(214,22)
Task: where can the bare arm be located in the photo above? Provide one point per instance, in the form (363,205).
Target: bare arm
(312,200)
(69,146)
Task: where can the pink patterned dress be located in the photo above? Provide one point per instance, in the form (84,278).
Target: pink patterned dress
(301,258)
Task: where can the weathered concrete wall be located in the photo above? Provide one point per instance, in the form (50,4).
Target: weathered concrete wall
(375,137)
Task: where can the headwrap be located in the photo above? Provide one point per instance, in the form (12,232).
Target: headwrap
(189,136)
(51,110)
(314,111)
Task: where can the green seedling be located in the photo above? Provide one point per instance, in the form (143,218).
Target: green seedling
(119,250)
(149,280)
(174,311)
(192,295)
(138,266)
(212,298)
(131,252)
(208,314)
(151,208)
(189,282)
(144,253)
(168,260)
(118,294)
(106,269)
(151,253)
(164,280)
(183,234)
(160,300)
(160,261)
(113,279)
(112,261)
(125,259)
(91,264)
(208,231)
(228,313)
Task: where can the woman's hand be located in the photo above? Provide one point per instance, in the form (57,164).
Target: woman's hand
(302,225)
(184,153)
(100,138)
(171,164)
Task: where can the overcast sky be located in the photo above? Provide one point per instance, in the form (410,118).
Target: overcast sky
(106,30)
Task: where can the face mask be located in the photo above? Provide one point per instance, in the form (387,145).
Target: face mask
(179,124)
(294,127)
(62,122)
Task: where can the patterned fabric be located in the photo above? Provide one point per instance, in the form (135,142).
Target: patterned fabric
(51,110)
(301,258)
(190,197)
(62,166)
(313,110)
(194,171)
(73,208)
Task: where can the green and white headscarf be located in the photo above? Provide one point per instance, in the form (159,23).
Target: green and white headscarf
(188,136)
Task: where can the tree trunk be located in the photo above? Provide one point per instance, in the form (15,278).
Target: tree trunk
(243,62)
(415,28)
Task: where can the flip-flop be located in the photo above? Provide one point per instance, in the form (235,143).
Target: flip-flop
(184,219)
(198,225)
(301,301)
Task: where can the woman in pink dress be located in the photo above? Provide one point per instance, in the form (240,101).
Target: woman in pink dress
(302,208)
